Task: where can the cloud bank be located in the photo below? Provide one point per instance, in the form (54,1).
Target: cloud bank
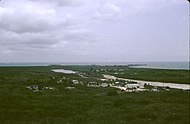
(93,30)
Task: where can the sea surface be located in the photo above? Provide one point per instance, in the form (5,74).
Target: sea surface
(24,64)
(165,65)
(156,65)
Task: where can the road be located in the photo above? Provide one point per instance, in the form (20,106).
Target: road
(159,84)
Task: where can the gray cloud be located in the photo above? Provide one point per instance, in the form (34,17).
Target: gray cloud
(62,3)
(35,25)
(93,30)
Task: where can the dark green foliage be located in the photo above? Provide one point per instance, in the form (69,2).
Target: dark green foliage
(161,75)
(112,93)
(171,76)
(83,105)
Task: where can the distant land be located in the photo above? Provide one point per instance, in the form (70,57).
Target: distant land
(155,65)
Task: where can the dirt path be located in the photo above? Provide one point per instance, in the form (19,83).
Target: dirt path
(160,84)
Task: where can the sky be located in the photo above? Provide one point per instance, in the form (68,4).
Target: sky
(94,30)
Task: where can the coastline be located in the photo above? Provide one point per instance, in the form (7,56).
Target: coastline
(165,65)
(146,65)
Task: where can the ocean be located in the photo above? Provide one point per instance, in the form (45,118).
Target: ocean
(156,65)
(165,65)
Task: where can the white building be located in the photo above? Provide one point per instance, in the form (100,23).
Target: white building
(117,82)
(104,85)
(132,85)
(75,81)
(93,84)
(104,79)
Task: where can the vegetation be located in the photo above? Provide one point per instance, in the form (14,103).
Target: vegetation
(86,105)
(162,75)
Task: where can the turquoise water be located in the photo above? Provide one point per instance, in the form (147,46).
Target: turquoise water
(165,65)
(157,65)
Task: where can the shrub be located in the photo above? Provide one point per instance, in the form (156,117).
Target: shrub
(112,93)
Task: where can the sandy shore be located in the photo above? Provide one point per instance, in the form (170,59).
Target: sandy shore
(160,84)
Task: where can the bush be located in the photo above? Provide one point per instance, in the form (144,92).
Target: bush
(112,93)
(119,103)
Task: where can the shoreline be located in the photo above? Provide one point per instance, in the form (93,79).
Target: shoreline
(143,65)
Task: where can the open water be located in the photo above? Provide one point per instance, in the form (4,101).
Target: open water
(157,65)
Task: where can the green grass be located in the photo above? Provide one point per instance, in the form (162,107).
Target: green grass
(83,105)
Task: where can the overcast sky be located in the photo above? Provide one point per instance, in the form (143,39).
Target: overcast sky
(94,30)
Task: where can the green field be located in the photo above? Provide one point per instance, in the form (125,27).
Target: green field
(84,105)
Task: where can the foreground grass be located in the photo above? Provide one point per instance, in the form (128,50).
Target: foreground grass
(83,105)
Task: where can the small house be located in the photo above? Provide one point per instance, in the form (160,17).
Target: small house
(75,81)
(131,86)
(93,84)
(104,79)
(117,82)
(104,85)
